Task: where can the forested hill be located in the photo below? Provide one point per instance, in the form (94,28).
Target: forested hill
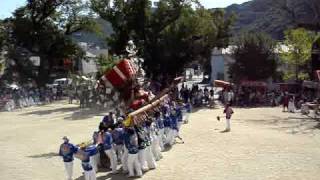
(275,16)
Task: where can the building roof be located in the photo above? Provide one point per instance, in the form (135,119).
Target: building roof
(90,55)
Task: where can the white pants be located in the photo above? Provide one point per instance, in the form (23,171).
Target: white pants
(170,137)
(113,159)
(227,124)
(90,175)
(124,160)
(160,138)
(97,157)
(150,159)
(94,163)
(185,117)
(156,150)
(175,133)
(179,124)
(305,109)
(69,169)
(142,159)
(119,151)
(166,132)
(291,107)
(134,165)
(9,106)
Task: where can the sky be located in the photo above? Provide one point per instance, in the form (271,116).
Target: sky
(8,6)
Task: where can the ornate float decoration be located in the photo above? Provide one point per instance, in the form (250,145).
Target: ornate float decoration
(126,82)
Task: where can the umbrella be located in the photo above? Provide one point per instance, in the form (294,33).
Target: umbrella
(219,83)
(14,86)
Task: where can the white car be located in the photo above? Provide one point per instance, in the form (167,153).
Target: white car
(62,81)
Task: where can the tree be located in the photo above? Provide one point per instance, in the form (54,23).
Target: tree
(254,57)
(42,28)
(2,42)
(168,36)
(2,35)
(106,63)
(299,42)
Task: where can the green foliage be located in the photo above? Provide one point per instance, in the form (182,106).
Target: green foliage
(76,16)
(42,28)
(106,63)
(128,20)
(2,35)
(255,58)
(299,43)
(223,27)
(168,37)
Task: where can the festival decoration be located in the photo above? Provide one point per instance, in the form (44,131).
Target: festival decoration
(127,79)
(120,74)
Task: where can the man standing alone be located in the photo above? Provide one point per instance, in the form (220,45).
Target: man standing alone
(228,111)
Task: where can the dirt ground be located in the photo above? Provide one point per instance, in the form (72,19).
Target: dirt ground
(264,144)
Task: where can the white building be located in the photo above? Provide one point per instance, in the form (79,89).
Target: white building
(222,58)
(220,61)
(89,65)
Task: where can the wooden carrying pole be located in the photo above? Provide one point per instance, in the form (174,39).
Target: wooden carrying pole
(154,103)
(148,107)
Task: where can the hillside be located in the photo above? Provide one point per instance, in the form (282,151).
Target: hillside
(274,16)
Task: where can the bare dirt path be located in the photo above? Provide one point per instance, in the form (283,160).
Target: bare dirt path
(264,144)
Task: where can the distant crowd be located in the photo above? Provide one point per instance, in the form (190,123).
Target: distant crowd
(196,96)
(22,97)
(248,97)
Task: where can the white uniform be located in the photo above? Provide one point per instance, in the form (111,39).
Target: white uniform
(155,145)
(131,144)
(90,175)
(124,160)
(143,159)
(291,107)
(67,150)
(113,159)
(134,165)
(69,170)
(160,138)
(108,145)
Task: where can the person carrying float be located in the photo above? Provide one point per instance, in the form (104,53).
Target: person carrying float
(67,151)
(179,115)
(89,172)
(142,143)
(132,146)
(155,143)
(167,130)
(117,135)
(174,125)
(149,155)
(160,129)
(188,109)
(108,149)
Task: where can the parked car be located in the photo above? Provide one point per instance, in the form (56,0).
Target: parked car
(62,82)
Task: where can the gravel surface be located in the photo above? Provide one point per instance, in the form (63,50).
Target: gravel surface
(264,144)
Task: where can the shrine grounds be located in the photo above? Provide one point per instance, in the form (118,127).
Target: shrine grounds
(264,144)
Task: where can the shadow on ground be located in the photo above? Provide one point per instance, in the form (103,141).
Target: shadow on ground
(86,113)
(196,109)
(46,112)
(293,124)
(110,177)
(46,155)
(75,113)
